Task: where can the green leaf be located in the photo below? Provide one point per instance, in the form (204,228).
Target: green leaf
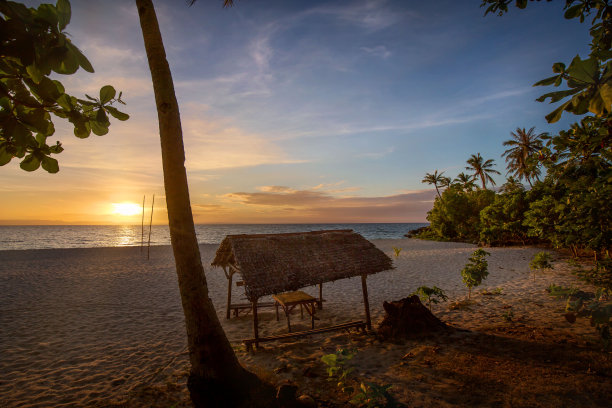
(63,14)
(584,70)
(50,164)
(5,156)
(98,128)
(547,81)
(48,14)
(102,118)
(557,96)
(555,115)
(605,91)
(107,93)
(81,59)
(573,12)
(30,163)
(558,67)
(597,105)
(116,113)
(34,73)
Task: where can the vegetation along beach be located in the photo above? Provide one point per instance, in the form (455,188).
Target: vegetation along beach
(370,203)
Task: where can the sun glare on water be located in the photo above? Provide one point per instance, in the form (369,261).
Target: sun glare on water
(126,209)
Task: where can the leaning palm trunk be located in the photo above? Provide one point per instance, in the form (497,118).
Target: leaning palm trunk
(216,378)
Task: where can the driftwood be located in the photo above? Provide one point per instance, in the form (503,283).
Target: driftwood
(408,318)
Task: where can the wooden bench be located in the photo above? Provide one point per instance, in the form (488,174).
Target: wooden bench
(237,308)
(344,326)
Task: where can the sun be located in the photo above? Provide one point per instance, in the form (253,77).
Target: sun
(126,209)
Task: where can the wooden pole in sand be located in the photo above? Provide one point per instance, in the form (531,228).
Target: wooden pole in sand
(142,225)
(366,302)
(255,323)
(150,225)
(229,275)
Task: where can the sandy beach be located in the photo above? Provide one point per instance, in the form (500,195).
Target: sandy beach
(104,326)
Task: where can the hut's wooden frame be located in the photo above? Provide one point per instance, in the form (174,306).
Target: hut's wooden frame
(313,258)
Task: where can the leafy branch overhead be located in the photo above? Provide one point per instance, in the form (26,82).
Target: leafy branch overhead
(33,46)
(589,81)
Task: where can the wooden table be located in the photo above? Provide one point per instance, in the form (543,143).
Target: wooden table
(289,300)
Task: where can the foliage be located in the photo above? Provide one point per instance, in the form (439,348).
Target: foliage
(521,158)
(396,251)
(337,370)
(508,315)
(476,270)
(589,81)
(494,292)
(33,46)
(464,182)
(600,275)
(431,295)
(437,179)
(368,394)
(456,214)
(561,292)
(482,169)
(502,221)
(540,261)
(600,313)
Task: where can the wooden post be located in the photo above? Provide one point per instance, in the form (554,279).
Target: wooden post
(255,323)
(366,302)
(320,296)
(230,277)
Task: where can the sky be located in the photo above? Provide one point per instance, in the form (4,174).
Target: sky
(298,111)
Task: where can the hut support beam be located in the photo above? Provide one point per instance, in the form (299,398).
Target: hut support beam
(366,302)
(255,324)
(230,277)
(321,296)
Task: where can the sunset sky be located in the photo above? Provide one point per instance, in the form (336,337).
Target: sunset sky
(298,111)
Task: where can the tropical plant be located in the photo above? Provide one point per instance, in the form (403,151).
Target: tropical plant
(520,157)
(431,295)
(589,81)
(437,179)
(456,215)
(476,270)
(540,261)
(482,169)
(396,251)
(33,46)
(368,394)
(501,223)
(464,182)
(216,378)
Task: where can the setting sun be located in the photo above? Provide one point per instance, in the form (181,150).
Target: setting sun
(126,209)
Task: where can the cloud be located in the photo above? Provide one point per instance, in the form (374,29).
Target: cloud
(378,51)
(319,206)
(373,15)
(216,144)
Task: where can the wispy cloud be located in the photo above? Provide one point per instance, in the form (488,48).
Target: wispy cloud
(378,51)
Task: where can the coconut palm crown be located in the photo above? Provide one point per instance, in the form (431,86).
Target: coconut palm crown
(437,179)
(520,158)
(464,181)
(482,169)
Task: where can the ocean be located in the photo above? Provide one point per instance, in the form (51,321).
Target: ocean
(91,236)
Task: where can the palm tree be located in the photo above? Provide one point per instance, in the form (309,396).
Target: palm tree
(465,181)
(520,157)
(482,169)
(437,179)
(216,377)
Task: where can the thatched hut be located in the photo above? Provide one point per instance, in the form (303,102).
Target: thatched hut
(274,263)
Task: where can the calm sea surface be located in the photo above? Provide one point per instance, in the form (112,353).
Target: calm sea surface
(88,236)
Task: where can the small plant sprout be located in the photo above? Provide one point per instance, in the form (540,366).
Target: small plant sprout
(336,369)
(540,261)
(397,251)
(475,271)
(431,295)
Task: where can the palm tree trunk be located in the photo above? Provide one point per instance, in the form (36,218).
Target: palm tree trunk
(484,183)
(437,191)
(216,377)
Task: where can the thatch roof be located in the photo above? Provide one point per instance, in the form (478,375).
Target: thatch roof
(275,263)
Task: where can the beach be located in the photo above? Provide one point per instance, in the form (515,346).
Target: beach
(104,326)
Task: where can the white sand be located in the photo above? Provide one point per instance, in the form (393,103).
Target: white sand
(83,327)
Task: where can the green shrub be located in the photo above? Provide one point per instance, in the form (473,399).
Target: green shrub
(476,270)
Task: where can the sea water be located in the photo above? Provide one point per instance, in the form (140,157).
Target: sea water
(89,236)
